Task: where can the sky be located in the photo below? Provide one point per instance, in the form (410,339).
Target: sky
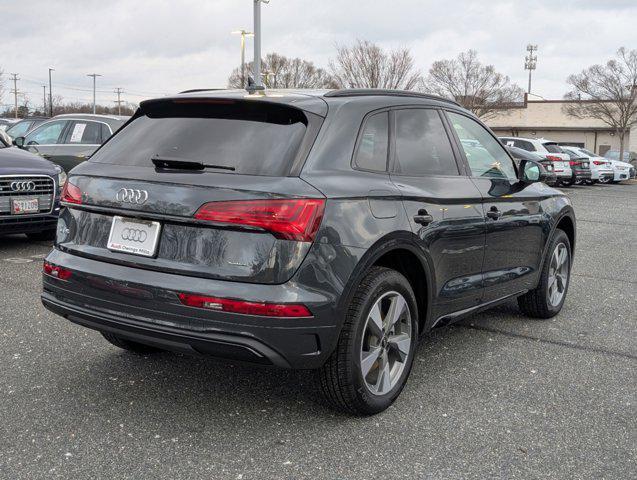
(151,48)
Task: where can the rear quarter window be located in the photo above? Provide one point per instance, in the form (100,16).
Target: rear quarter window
(253,137)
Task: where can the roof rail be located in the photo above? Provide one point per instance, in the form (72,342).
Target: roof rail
(362,92)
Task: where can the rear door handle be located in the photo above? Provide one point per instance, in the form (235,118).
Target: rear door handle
(494,213)
(423,218)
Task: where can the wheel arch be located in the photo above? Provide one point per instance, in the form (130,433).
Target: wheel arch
(401,252)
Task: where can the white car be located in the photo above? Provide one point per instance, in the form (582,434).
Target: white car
(601,168)
(547,149)
(622,170)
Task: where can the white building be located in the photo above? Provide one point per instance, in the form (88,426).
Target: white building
(545,118)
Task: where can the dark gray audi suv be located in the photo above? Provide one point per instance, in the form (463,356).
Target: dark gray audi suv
(323,230)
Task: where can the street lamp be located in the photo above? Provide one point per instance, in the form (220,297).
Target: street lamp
(258,84)
(50,93)
(244,34)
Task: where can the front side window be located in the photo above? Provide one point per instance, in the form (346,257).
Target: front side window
(485,155)
(373,144)
(46,134)
(422,144)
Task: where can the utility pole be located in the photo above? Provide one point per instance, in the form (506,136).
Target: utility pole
(118,91)
(258,83)
(530,62)
(44,100)
(15,92)
(50,93)
(243,34)
(94,75)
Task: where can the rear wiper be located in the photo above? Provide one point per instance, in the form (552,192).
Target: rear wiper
(182,164)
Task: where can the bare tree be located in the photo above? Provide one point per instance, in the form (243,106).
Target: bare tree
(366,65)
(475,86)
(608,93)
(283,72)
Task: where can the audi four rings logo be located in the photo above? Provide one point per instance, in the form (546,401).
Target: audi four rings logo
(131,195)
(26,186)
(134,235)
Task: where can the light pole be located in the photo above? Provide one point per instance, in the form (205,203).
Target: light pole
(44,100)
(258,84)
(50,93)
(244,34)
(530,62)
(94,75)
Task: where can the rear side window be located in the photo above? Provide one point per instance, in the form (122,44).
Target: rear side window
(553,148)
(84,133)
(253,137)
(371,153)
(422,145)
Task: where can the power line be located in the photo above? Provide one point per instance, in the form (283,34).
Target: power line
(15,92)
(118,91)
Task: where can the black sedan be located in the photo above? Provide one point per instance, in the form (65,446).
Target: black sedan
(519,154)
(29,193)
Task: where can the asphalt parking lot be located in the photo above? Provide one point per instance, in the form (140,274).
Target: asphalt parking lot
(497,396)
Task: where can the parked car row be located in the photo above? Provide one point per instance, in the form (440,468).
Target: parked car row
(571,165)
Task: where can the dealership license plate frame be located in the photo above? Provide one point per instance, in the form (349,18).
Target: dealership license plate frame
(132,245)
(24,200)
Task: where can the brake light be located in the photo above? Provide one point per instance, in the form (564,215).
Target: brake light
(246,308)
(553,158)
(572,163)
(56,271)
(289,219)
(71,193)
(598,162)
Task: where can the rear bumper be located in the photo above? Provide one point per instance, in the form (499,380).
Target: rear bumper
(582,174)
(143,306)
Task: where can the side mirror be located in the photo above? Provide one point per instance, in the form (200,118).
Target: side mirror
(531,172)
(18,142)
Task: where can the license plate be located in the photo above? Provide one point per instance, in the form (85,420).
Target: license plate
(137,237)
(559,164)
(20,206)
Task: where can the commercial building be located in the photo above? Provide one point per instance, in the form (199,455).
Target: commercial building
(547,119)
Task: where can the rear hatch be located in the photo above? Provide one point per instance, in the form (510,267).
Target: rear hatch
(556,155)
(200,187)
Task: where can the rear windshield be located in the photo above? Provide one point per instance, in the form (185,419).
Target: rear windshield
(553,148)
(254,138)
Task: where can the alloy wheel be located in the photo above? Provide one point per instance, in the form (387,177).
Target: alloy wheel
(386,343)
(558,274)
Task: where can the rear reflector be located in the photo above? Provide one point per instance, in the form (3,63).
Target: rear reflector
(289,219)
(71,193)
(247,308)
(56,271)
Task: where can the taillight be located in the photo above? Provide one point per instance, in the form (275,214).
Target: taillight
(290,219)
(71,193)
(553,158)
(598,162)
(573,163)
(56,271)
(246,308)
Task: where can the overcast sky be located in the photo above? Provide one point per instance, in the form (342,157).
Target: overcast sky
(156,47)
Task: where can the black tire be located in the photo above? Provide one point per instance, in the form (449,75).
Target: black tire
(536,303)
(134,347)
(341,380)
(46,235)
